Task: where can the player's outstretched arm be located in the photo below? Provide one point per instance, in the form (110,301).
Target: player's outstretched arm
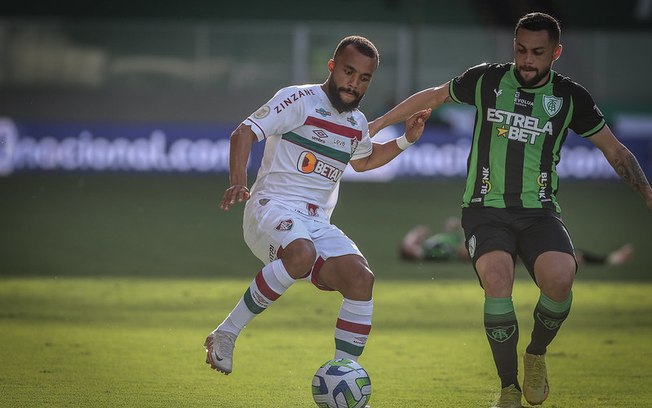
(428,98)
(241,141)
(383,153)
(624,162)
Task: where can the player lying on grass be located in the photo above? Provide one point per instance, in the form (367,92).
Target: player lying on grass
(311,133)
(422,244)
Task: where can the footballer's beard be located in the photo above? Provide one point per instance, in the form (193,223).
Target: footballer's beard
(333,93)
(535,79)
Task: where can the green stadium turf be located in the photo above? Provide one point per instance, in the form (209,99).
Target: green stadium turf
(109,284)
(146,225)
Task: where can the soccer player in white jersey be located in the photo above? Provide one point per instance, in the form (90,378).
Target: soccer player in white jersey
(311,133)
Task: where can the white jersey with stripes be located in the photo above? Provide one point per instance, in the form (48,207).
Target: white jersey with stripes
(308,144)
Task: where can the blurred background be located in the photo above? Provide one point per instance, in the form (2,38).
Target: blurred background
(115,259)
(217,61)
(107,106)
(113,85)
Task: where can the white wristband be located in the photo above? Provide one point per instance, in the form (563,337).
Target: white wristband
(403,143)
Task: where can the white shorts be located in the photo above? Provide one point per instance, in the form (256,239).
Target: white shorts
(269,227)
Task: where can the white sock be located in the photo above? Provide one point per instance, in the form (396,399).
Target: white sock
(352,328)
(268,285)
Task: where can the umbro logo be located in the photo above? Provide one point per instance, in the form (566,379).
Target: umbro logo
(323,112)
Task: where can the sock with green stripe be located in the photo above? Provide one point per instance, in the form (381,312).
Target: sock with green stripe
(548,317)
(268,285)
(501,328)
(352,328)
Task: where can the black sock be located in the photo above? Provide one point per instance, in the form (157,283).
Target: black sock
(548,317)
(501,328)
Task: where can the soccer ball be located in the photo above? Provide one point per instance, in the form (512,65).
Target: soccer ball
(341,383)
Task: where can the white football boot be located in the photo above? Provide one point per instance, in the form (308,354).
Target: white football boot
(219,347)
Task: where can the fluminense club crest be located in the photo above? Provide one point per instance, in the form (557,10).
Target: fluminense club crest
(354,145)
(285,225)
(552,104)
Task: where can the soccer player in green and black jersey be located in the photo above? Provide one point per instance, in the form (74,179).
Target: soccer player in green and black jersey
(524,112)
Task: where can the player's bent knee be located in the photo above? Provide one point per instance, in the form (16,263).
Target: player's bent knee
(359,284)
(497,283)
(299,257)
(555,274)
(365,278)
(558,286)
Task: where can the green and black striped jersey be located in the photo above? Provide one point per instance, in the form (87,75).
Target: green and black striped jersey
(518,135)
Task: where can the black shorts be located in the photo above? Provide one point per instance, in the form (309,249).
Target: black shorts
(522,232)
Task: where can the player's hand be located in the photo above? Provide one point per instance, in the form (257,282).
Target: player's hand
(237,193)
(415,124)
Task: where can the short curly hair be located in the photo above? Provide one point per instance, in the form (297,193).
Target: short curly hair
(538,22)
(363,45)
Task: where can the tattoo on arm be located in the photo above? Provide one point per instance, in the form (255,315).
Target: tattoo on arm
(630,171)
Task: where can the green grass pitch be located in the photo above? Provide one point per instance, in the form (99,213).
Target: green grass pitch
(109,284)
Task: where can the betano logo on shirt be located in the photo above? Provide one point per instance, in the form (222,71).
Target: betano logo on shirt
(309,163)
(515,126)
